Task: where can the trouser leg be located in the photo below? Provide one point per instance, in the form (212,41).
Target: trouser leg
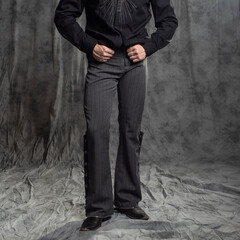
(100,88)
(131,98)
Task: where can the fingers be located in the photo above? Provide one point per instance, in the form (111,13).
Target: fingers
(103,53)
(108,50)
(135,56)
(136,53)
(101,58)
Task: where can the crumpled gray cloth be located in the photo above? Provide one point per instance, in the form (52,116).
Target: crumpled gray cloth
(189,164)
(185,199)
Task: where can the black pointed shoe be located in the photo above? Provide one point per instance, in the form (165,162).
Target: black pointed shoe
(93,223)
(135,213)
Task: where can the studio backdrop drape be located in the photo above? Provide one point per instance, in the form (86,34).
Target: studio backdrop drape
(190,155)
(192,105)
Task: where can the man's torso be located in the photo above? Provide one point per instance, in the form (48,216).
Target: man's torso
(117,23)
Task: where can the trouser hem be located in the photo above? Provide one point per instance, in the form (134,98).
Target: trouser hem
(99,216)
(126,207)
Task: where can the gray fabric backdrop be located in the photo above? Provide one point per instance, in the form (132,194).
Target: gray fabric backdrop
(190,150)
(193,91)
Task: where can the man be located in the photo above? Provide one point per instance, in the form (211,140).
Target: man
(116,43)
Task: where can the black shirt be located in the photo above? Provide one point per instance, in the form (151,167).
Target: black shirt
(116,23)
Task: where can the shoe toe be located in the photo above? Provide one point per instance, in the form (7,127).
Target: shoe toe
(91,223)
(135,213)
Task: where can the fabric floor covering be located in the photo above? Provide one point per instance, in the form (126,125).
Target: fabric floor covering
(185,199)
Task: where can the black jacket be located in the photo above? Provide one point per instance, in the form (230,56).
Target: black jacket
(116,23)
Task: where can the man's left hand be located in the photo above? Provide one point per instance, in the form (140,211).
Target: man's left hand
(136,53)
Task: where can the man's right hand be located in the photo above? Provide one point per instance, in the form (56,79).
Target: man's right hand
(102,53)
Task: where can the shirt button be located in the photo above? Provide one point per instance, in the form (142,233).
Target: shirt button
(119,5)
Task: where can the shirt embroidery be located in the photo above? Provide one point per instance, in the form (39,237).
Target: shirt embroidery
(122,10)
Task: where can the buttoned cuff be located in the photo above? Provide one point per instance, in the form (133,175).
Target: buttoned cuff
(149,46)
(88,44)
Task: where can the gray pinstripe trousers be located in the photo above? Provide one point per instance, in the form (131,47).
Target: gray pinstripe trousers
(103,79)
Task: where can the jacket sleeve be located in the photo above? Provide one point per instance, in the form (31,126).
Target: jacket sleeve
(65,20)
(166,24)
